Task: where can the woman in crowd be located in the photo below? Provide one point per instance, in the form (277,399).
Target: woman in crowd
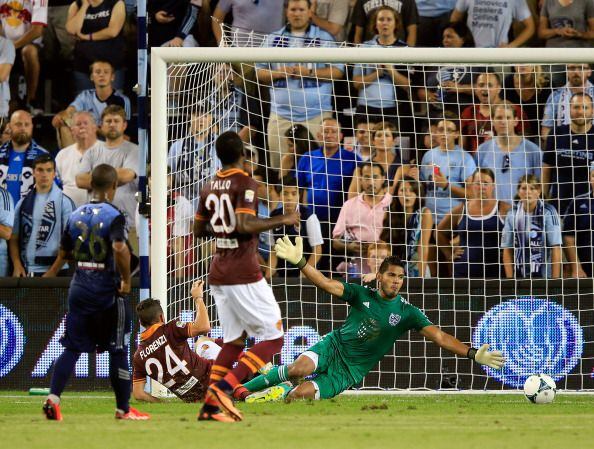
(383,137)
(528,88)
(384,89)
(299,141)
(567,23)
(448,87)
(469,235)
(408,226)
(531,239)
(98,26)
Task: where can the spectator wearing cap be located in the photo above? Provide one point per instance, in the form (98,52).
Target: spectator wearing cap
(40,218)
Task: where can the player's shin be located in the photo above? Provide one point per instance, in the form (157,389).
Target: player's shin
(119,375)
(63,369)
(250,362)
(277,375)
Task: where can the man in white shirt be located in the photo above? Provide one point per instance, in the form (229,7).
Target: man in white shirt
(123,156)
(68,160)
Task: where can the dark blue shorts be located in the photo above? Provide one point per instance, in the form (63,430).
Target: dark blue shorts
(103,330)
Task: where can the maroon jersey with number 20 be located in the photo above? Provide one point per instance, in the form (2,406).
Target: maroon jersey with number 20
(163,354)
(227,194)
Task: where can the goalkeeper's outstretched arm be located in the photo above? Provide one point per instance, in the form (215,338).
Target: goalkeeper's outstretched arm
(482,356)
(294,254)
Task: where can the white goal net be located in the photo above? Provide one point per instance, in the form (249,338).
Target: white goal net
(475,166)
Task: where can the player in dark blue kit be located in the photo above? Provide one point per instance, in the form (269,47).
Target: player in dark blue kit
(98,316)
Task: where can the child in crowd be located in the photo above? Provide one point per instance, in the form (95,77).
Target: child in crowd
(531,237)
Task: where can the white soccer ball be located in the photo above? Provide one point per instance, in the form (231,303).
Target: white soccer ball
(540,389)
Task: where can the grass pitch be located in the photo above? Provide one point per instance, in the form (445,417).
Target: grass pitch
(412,421)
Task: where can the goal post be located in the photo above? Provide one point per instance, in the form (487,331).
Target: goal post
(559,312)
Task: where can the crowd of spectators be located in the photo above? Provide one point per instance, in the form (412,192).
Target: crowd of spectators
(452,168)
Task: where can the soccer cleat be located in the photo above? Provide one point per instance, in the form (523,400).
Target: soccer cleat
(132,415)
(216,396)
(272,394)
(218,416)
(51,410)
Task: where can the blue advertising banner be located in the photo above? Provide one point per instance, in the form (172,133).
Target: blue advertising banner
(550,331)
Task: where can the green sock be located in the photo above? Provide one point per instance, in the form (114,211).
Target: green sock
(276,376)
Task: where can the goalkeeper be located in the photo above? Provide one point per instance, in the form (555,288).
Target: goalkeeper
(377,318)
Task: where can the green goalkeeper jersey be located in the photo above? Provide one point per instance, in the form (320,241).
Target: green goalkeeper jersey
(372,326)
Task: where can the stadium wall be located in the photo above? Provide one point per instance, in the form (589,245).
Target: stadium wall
(540,326)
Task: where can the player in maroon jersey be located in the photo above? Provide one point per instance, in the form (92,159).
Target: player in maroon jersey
(164,355)
(245,303)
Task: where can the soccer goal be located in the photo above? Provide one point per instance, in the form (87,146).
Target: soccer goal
(451,135)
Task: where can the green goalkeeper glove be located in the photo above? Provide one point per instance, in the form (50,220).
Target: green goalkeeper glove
(482,356)
(291,253)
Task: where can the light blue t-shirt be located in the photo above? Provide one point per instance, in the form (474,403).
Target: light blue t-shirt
(525,159)
(15,171)
(87,100)
(381,93)
(456,165)
(6,219)
(434,8)
(300,98)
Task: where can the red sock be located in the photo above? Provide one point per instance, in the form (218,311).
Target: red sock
(224,362)
(240,393)
(252,360)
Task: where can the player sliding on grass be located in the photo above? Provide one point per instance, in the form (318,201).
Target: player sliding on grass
(377,318)
(164,355)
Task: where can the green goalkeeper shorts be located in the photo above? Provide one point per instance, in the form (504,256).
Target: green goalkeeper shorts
(332,375)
